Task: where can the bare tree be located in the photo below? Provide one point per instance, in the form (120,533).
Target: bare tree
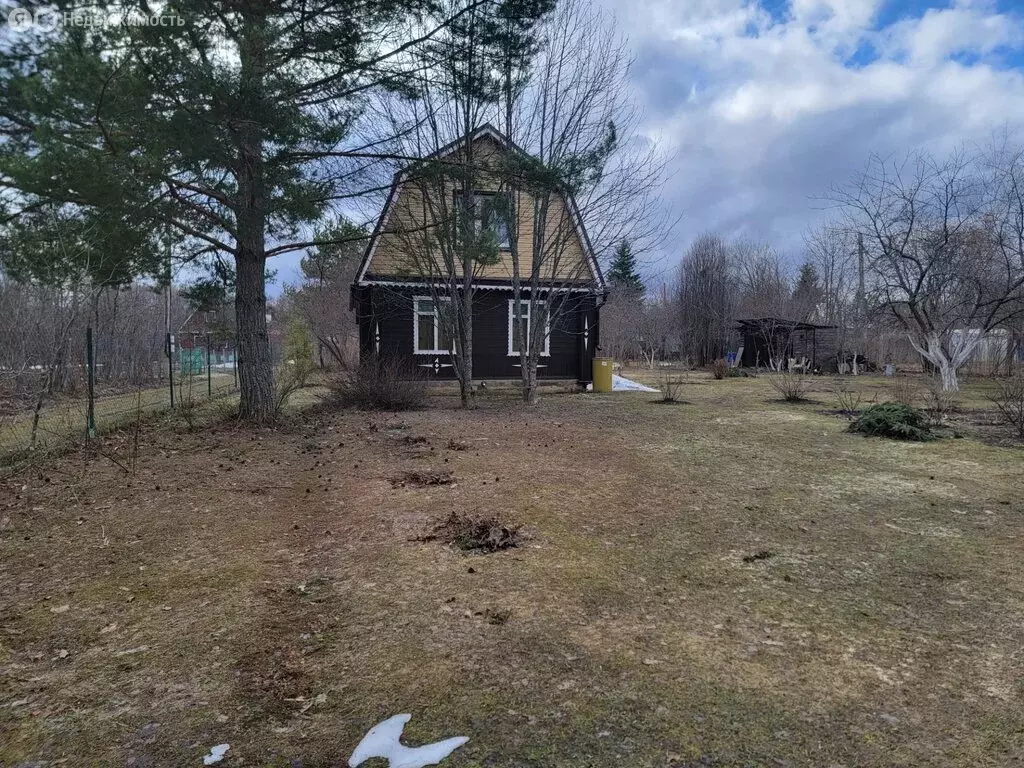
(328,271)
(944,241)
(448,210)
(581,163)
(706,298)
(830,249)
(838,255)
(622,316)
(657,321)
(765,292)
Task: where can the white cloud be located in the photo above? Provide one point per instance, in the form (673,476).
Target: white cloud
(765,113)
(944,32)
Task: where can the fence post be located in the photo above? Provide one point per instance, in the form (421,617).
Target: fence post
(209,384)
(170,365)
(90,365)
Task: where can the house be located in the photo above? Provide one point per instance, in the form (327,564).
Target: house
(400,291)
(770,342)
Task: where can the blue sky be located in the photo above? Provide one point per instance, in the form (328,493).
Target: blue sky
(760,105)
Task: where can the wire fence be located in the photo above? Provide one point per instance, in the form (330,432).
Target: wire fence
(57,406)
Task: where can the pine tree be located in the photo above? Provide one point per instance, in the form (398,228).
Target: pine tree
(230,125)
(623,270)
(806,293)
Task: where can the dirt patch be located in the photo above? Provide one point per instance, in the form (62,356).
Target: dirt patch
(497,616)
(471,533)
(422,479)
(985,425)
(839,413)
(793,401)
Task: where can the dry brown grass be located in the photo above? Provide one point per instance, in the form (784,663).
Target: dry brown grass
(263,588)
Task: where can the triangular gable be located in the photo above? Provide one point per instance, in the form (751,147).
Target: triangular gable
(365,275)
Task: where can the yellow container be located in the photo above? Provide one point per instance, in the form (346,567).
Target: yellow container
(602,374)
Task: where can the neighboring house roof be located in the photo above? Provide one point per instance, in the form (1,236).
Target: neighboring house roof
(497,275)
(759,323)
(196,322)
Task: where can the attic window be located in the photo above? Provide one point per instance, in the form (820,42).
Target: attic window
(486,214)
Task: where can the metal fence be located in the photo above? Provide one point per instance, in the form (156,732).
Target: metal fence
(35,414)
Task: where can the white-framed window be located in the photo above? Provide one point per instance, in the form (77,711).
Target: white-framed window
(524,313)
(431,325)
(486,215)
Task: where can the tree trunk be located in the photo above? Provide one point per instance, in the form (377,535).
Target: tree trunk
(465,369)
(947,371)
(531,389)
(947,365)
(255,369)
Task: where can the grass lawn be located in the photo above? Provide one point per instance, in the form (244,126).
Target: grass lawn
(267,589)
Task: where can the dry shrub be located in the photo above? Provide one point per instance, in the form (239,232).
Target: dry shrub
(187,404)
(475,533)
(1010,402)
(848,398)
(382,383)
(288,383)
(905,392)
(670,387)
(720,369)
(939,403)
(792,386)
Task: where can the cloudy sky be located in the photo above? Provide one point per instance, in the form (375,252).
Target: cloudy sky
(764,104)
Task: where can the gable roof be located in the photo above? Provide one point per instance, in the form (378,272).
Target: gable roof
(484,131)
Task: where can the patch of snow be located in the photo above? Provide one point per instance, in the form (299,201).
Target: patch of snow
(216,754)
(383,740)
(622,384)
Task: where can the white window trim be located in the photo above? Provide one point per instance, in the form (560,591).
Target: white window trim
(437,327)
(546,352)
(505,245)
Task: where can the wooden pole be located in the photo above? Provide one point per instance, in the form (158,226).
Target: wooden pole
(170,365)
(90,365)
(209,385)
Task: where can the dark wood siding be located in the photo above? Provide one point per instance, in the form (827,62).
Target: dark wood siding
(386,317)
(819,344)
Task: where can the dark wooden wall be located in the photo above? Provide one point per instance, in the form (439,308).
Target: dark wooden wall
(819,345)
(574,334)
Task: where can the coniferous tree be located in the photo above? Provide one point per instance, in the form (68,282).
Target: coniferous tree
(232,124)
(807,293)
(622,273)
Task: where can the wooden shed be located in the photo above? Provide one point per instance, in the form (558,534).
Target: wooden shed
(773,341)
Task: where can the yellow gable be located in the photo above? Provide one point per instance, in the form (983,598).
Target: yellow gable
(409,244)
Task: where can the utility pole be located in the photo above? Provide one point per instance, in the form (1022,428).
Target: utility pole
(861,298)
(860,311)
